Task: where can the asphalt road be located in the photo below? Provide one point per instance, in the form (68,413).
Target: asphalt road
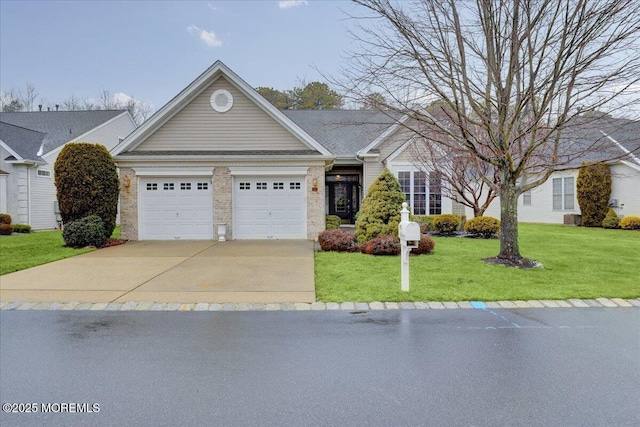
(546,367)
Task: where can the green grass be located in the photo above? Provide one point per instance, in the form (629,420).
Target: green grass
(21,251)
(578,263)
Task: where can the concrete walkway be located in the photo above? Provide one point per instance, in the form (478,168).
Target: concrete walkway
(242,271)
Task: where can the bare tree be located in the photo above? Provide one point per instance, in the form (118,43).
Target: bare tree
(27,97)
(73,103)
(515,75)
(10,102)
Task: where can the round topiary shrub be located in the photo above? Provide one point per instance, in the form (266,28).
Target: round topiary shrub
(5,218)
(425,246)
(611,220)
(5,229)
(446,223)
(380,210)
(338,241)
(87,184)
(332,222)
(381,245)
(630,223)
(483,226)
(87,231)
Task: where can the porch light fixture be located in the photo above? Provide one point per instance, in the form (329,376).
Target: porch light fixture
(314,184)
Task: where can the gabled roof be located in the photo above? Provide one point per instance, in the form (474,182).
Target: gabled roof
(343,132)
(196,87)
(60,127)
(24,144)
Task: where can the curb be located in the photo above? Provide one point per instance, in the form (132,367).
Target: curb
(316,306)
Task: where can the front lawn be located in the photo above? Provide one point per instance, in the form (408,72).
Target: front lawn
(21,251)
(578,263)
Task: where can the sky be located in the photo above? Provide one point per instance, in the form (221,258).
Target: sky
(151,50)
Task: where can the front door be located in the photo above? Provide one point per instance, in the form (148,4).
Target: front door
(344,200)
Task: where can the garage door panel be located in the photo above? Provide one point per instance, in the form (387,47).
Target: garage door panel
(176,208)
(269,207)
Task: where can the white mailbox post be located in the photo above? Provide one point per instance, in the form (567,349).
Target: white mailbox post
(409,233)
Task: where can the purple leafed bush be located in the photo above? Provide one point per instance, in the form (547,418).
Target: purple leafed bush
(338,241)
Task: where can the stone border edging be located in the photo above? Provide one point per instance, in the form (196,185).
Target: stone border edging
(316,306)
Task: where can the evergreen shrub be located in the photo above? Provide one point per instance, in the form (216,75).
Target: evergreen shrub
(630,223)
(483,226)
(87,231)
(380,211)
(87,184)
(593,188)
(611,220)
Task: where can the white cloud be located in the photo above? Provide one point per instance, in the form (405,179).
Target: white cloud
(286,4)
(209,37)
(212,7)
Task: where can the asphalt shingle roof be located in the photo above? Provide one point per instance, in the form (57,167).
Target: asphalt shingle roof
(25,142)
(59,126)
(343,132)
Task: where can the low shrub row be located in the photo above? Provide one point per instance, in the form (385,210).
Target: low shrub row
(483,226)
(343,241)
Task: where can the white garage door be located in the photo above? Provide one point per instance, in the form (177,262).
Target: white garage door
(176,208)
(271,207)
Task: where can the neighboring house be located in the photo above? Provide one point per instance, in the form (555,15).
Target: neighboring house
(219,153)
(619,139)
(29,145)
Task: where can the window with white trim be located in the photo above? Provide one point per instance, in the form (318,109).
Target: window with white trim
(44,173)
(278,185)
(417,190)
(563,194)
(526,198)
(245,186)
(168,186)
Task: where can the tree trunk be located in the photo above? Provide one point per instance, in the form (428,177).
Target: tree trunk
(509,248)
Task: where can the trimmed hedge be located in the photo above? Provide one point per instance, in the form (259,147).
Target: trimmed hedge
(446,223)
(611,220)
(332,222)
(425,246)
(22,228)
(5,229)
(483,226)
(5,218)
(630,223)
(87,184)
(87,231)
(381,245)
(338,241)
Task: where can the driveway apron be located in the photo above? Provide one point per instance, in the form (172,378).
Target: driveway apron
(256,271)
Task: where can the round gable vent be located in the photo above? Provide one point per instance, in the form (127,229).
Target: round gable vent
(221,100)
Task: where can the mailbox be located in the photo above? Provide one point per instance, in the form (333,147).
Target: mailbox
(409,233)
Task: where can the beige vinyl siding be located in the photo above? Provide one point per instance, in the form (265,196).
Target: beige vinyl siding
(244,127)
(375,166)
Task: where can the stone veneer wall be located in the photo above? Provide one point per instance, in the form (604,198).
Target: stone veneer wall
(222,200)
(128,204)
(315,202)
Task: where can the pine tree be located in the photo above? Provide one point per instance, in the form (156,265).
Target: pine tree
(380,211)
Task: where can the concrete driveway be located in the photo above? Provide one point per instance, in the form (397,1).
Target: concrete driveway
(173,271)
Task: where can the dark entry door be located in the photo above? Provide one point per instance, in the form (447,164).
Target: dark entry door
(344,199)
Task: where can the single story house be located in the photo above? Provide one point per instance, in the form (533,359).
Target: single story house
(218,158)
(218,154)
(615,138)
(29,145)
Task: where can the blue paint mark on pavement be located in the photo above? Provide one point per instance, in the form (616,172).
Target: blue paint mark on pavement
(478,304)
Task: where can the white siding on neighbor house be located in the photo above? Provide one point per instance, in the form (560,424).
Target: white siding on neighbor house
(541,208)
(43,195)
(10,195)
(198,127)
(625,187)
